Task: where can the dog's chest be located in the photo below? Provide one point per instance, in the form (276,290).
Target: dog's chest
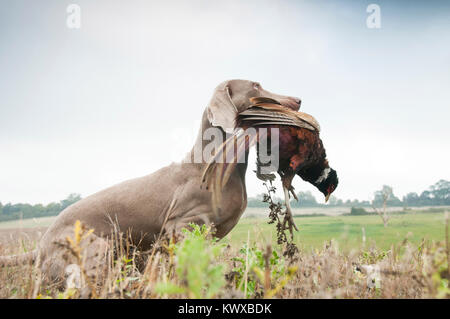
(233,206)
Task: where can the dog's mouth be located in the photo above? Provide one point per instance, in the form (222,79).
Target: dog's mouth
(290,103)
(293,104)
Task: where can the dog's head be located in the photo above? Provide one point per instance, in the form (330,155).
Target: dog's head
(233,96)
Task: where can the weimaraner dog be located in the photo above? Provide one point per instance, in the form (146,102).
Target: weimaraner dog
(162,202)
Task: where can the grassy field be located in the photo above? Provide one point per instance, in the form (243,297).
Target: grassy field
(347,230)
(199,267)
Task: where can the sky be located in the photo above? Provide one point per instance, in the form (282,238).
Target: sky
(122,96)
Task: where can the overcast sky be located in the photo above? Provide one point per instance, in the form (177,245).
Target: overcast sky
(83,109)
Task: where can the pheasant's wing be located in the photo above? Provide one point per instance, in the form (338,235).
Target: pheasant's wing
(219,168)
(272,114)
(260,100)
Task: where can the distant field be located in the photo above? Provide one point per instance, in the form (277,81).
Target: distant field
(335,211)
(314,231)
(347,230)
(331,211)
(28,223)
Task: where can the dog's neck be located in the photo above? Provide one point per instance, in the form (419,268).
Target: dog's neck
(195,156)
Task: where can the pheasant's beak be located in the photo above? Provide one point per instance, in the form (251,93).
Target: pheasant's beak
(327,197)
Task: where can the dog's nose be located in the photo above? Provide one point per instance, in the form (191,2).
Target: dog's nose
(291,102)
(297,100)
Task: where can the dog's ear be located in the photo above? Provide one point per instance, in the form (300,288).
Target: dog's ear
(221,110)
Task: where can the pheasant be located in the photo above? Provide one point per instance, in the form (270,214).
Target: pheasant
(301,152)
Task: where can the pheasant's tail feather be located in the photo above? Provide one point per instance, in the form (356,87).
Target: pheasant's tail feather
(260,100)
(220,167)
(269,113)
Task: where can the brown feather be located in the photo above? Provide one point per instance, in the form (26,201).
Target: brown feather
(276,113)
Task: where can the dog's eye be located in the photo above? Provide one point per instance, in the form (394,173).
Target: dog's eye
(257,86)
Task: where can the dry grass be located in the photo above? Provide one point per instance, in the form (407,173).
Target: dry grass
(405,271)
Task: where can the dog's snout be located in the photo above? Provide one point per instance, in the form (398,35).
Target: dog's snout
(297,100)
(291,102)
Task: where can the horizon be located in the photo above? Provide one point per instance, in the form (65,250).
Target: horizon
(257,196)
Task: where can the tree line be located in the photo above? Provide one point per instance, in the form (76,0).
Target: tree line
(23,211)
(436,194)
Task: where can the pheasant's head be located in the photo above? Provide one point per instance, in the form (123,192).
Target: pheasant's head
(327,182)
(322,176)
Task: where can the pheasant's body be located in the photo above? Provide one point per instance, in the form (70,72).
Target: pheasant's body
(300,147)
(300,150)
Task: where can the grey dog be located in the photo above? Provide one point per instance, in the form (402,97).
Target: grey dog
(160,203)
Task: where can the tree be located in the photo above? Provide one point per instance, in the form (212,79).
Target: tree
(425,198)
(383,196)
(18,211)
(8,209)
(365,203)
(71,199)
(388,191)
(53,208)
(411,199)
(440,192)
(305,199)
